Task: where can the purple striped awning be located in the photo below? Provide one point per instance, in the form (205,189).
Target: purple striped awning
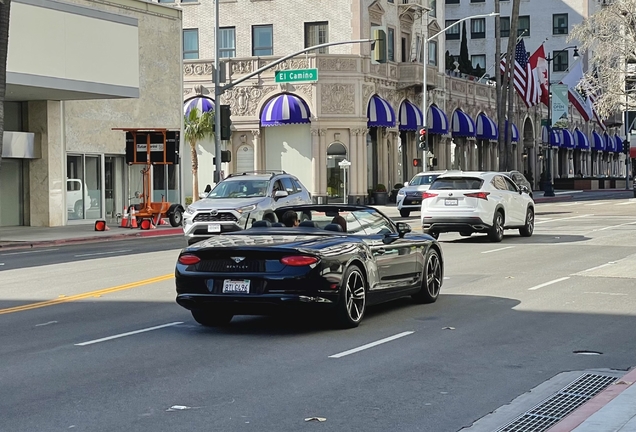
(581,141)
(285,109)
(380,113)
(567,139)
(609,147)
(486,128)
(618,144)
(462,125)
(515,133)
(555,137)
(202,103)
(410,116)
(437,122)
(598,143)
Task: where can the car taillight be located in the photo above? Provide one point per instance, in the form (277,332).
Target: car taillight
(189,259)
(428,195)
(299,260)
(480,195)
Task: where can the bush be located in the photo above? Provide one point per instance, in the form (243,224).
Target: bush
(188,201)
(380,188)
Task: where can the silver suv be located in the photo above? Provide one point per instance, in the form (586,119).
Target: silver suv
(240,200)
(409,198)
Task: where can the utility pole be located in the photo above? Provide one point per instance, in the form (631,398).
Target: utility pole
(514,24)
(217,97)
(499,79)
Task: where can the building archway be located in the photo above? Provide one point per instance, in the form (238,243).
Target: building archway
(336,179)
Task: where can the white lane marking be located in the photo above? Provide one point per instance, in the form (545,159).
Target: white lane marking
(101,253)
(29,252)
(497,250)
(569,204)
(371,345)
(128,334)
(604,293)
(627,202)
(548,283)
(599,266)
(1,263)
(46,323)
(597,204)
(614,226)
(561,219)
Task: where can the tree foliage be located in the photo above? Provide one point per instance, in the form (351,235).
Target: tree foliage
(609,37)
(197,126)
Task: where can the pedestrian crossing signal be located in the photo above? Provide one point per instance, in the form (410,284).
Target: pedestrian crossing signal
(417,162)
(422,138)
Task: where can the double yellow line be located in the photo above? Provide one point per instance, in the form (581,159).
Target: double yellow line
(85,295)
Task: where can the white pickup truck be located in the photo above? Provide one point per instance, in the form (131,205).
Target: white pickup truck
(74,188)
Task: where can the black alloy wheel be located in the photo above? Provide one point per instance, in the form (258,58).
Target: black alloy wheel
(496,232)
(211,318)
(432,278)
(353,298)
(528,228)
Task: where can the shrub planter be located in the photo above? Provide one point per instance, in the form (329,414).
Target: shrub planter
(380,198)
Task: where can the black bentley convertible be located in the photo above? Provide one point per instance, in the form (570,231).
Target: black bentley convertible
(342,264)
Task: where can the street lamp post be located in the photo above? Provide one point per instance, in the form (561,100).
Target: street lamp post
(425,52)
(548,186)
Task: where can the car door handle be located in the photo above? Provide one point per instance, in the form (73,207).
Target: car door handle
(381,251)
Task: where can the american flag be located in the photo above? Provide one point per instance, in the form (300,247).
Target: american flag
(525,81)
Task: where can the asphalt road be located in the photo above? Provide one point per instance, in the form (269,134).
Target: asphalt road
(97,343)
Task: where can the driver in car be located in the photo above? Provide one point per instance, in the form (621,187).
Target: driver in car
(290,219)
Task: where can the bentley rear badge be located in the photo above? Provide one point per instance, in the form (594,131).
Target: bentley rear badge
(238,259)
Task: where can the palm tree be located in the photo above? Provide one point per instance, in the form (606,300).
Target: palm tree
(5,8)
(197,126)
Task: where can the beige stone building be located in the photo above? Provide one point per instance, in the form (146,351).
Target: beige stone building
(356,110)
(76,70)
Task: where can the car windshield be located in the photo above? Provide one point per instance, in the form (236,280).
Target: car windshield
(240,189)
(420,180)
(461,183)
(359,222)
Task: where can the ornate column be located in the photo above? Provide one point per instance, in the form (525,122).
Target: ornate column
(322,186)
(362,161)
(256,142)
(315,162)
(352,173)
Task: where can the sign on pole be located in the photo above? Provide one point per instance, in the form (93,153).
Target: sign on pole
(559,102)
(296,75)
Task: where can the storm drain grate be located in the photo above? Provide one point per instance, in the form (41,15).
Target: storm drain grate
(552,410)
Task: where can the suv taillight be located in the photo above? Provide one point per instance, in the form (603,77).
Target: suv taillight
(480,195)
(428,195)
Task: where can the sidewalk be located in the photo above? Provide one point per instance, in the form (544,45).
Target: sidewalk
(612,410)
(28,237)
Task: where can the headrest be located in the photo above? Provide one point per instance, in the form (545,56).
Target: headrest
(278,224)
(333,227)
(308,224)
(261,224)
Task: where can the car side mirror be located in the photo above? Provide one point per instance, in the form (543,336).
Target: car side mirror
(406,183)
(403,228)
(280,194)
(523,188)
(203,195)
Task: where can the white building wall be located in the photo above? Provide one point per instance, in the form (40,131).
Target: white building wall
(540,12)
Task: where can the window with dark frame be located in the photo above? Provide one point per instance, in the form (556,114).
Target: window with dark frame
(560,24)
(227,42)
(390,44)
(190,44)
(452,33)
(524,26)
(262,40)
(317,33)
(452,1)
(504,26)
(478,28)
(432,53)
(560,62)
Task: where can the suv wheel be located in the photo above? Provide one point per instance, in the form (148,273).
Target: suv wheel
(496,232)
(405,213)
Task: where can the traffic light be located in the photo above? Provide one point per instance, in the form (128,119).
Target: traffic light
(422,138)
(226,156)
(626,147)
(417,162)
(226,122)
(378,46)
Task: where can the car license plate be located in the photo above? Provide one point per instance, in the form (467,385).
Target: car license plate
(236,286)
(214,228)
(415,202)
(450,201)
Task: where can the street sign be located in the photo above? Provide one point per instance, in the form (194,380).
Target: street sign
(296,75)
(344,163)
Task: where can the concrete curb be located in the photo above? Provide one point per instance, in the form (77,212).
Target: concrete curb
(584,412)
(12,245)
(557,198)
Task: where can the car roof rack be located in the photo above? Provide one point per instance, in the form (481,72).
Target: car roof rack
(272,172)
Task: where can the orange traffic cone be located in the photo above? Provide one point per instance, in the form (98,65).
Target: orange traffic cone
(163,222)
(133,218)
(146,224)
(124,219)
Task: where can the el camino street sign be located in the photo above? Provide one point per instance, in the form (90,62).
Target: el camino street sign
(296,75)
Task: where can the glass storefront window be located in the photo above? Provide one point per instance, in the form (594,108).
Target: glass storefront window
(11,193)
(83,187)
(336,153)
(93,182)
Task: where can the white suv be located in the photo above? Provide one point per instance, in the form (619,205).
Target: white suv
(477,202)
(409,198)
